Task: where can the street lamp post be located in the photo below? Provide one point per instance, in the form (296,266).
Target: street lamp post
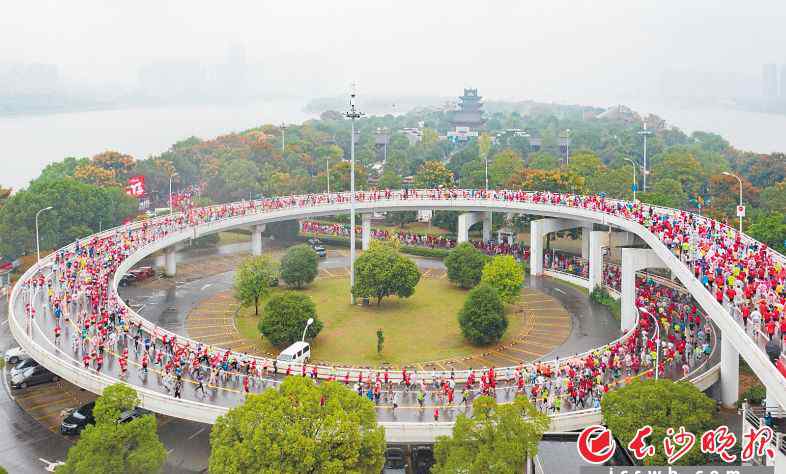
(170,191)
(283,136)
(486,159)
(308,323)
(37,243)
(353,114)
(634,177)
(726,173)
(644,133)
(327,173)
(567,147)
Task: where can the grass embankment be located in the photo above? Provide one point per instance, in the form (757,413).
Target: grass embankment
(421,328)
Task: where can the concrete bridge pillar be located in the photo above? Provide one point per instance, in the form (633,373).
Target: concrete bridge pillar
(468,219)
(729,373)
(256,239)
(170,261)
(366,234)
(538,230)
(585,241)
(634,260)
(597,240)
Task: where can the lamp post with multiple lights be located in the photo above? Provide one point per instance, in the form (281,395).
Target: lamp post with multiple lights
(644,171)
(353,114)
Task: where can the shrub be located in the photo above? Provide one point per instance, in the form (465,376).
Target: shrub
(299,266)
(465,265)
(505,275)
(482,319)
(285,317)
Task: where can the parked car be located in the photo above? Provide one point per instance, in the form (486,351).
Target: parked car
(127,279)
(78,419)
(143,273)
(22,365)
(33,376)
(422,459)
(316,244)
(14,355)
(394,461)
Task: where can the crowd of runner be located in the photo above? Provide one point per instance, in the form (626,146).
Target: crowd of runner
(744,276)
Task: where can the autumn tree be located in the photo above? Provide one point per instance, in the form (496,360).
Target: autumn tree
(553,180)
(433,174)
(119,164)
(299,427)
(725,195)
(90,173)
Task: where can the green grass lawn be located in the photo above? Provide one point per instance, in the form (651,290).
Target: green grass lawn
(421,328)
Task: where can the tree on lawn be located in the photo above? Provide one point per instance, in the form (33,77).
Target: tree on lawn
(286,316)
(299,266)
(300,428)
(108,447)
(482,319)
(465,265)
(253,280)
(381,272)
(498,438)
(505,275)
(661,404)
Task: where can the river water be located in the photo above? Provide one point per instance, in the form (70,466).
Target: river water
(30,142)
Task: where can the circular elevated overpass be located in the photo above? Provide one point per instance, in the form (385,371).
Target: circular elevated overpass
(142,239)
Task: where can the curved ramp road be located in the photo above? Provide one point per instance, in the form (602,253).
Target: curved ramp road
(89,272)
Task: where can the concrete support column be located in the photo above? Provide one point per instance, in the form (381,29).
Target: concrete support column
(256,239)
(366,234)
(585,241)
(634,260)
(468,219)
(729,373)
(538,230)
(170,262)
(597,240)
(487,226)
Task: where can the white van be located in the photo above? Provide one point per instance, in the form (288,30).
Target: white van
(297,352)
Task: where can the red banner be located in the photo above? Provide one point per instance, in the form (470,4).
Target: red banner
(136,186)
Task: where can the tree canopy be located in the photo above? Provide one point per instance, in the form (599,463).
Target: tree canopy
(505,275)
(496,439)
(381,272)
(482,318)
(662,404)
(285,318)
(253,280)
(465,265)
(109,447)
(301,427)
(299,266)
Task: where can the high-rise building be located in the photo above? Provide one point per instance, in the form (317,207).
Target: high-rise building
(770,80)
(783,81)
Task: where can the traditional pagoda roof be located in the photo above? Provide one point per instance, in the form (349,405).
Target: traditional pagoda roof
(470,110)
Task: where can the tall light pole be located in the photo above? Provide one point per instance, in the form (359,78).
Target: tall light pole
(726,173)
(567,147)
(170,192)
(645,171)
(37,244)
(634,177)
(308,323)
(283,136)
(353,114)
(327,173)
(486,160)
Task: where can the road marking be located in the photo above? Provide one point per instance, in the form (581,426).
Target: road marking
(205,287)
(199,431)
(560,290)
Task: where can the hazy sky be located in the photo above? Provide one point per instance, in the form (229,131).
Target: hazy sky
(552,49)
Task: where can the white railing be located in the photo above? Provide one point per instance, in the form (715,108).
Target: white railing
(257,213)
